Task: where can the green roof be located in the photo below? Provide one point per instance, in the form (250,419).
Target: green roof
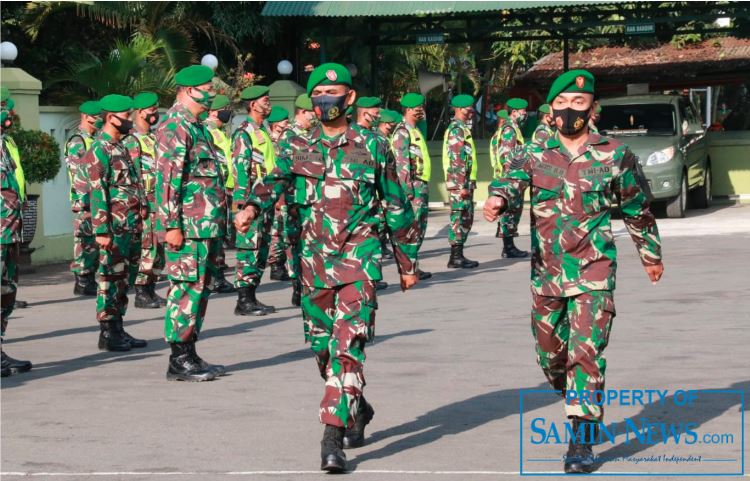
(382,9)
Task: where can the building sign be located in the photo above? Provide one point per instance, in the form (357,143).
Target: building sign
(640,28)
(428,38)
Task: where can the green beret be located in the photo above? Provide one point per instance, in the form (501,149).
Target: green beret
(254,92)
(203,116)
(571,81)
(389,117)
(329,74)
(145,100)
(303,102)
(220,101)
(277,114)
(517,104)
(90,107)
(545,109)
(368,102)
(116,103)
(4,93)
(349,111)
(462,101)
(10,104)
(503,114)
(193,76)
(412,100)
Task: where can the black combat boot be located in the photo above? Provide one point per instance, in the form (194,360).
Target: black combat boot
(222,285)
(510,251)
(332,454)
(182,365)
(152,290)
(381,285)
(423,275)
(83,287)
(245,305)
(217,369)
(296,293)
(279,273)
(580,456)
(143,298)
(457,259)
(134,343)
(266,308)
(13,366)
(355,437)
(110,337)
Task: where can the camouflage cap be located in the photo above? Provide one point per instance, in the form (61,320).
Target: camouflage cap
(193,76)
(278,113)
(412,100)
(220,101)
(329,74)
(116,103)
(90,107)
(462,101)
(303,102)
(517,104)
(545,109)
(254,92)
(145,100)
(571,81)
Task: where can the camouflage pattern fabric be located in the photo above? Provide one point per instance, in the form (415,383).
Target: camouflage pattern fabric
(85,249)
(192,198)
(292,226)
(542,133)
(252,254)
(458,178)
(407,157)
(225,159)
(192,271)
(118,265)
(9,285)
(10,233)
(279,242)
(508,148)
(573,249)
(571,334)
(338,323)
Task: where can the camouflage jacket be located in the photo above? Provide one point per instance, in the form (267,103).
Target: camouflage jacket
(409,158)
(542,134)
(10,221)
(507,146)
(294,130)
(190,194)
(338,185)
(458,174)
(249,159)
(142,149)
(573,248)
(78,172)
(116,194)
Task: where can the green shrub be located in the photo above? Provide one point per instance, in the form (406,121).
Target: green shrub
(40,155)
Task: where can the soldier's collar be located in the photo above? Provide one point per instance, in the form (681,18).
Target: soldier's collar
(593,139)
(106,137)
(186,112)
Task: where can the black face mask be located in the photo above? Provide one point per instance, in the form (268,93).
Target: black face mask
(224,115)
(152,119)
(573,121)
(329,107)
(125,125)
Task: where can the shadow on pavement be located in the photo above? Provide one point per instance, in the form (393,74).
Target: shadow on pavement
(94,327)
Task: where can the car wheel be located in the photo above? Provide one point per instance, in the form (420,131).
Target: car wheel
(701,196)
(676,205)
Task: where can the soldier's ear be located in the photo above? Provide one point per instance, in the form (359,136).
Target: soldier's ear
(351,97)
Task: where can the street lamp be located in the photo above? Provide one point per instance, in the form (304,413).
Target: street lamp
(210,61)
(8,52)
(284,68)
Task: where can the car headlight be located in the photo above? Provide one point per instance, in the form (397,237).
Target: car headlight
(660,156)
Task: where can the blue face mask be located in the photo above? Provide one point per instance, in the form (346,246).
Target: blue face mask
(329,107)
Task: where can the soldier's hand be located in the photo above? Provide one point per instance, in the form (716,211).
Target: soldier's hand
(244,218)
(174,239)
(408,281)
(493,206)
(655,272)
(104,241)
(465,193)
(144,213)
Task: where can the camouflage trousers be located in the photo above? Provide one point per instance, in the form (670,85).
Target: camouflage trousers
(152,253)
(462,217)
(279,243)
(507,225)
(338,322)
(293,232)
(252,251)
(421,206)
(85,248)
(191,271)
(571,334)
(118,267)
(9,284)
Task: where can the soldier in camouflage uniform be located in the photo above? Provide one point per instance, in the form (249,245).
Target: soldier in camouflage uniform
(460,168)
(596,114)
(191,203)
(413,162)
(219,116)
(573,263)
(506,144)
(278,122)
(141,145)
(118,206)
(339,177)
(10,229)
(544,131)
(253,155)
(85,250)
